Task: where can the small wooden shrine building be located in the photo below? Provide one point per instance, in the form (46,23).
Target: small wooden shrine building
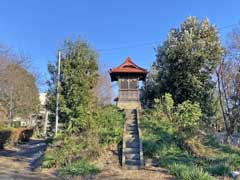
(128,76)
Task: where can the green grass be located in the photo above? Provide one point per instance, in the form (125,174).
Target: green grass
(161,141)
(184,172)
(74,154)
(79,168)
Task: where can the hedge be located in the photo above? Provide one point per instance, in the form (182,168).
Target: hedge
(4,137)
(15,135)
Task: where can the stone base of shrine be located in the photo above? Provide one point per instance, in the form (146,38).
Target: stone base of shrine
(129,104)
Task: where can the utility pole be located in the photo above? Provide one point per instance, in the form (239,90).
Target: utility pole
(11,104)
(45,123)
(57,99)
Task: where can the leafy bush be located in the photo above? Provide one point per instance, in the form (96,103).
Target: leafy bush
(79,167)
(74,154)
(14,135)
(183,172)
(220,169)
(63,152)
(184,117)
(187,117)
(161,140)
(110,124)
(26,134)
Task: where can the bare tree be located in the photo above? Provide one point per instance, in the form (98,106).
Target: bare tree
(228,78)
(103,90)
(18,91)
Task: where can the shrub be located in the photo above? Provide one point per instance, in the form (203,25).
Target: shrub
(184,117)
(183,172)
(221,169)
(187,117)
(50,159)
(20,135)
(79,167)
(110,125)
(4,137)
(26,135)
(196,154)
(73,153)
(63,152)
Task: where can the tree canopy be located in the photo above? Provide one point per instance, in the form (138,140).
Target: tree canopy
(186,62)
(79,77)
(18,90)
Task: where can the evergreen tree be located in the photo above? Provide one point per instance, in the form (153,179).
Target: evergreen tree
(79,76)
(149,90)
(186,62)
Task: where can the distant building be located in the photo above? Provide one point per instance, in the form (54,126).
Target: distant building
(43,98)
(43,113)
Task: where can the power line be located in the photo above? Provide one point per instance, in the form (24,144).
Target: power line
(130,46)
(149,43)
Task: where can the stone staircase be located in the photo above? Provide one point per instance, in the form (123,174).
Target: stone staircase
(132,155)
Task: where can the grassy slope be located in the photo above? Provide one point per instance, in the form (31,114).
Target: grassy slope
(160,141)
(75,155)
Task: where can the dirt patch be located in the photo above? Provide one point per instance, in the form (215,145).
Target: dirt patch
(113,171)
(15,163)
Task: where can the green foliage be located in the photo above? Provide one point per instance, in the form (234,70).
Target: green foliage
(185,64)
(79,76)
(65,151)
(90,126)
(110,122)
(221,169)
(79,168)
(161,140)
(74,154)
(183,172)
(185,117)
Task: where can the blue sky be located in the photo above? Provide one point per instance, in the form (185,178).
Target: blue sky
(117,29)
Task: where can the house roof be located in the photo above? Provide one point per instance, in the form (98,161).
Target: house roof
(128,67)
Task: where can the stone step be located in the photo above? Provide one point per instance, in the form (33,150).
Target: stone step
(131,128)
(133,156)
(131,124)
(132,132)
(131,136)
(131,167)
(132,139)
(131,150)
(132,144)
(130,118)
(132,162)
(131,115)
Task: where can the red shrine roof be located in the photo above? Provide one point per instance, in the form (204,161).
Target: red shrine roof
(128,67)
